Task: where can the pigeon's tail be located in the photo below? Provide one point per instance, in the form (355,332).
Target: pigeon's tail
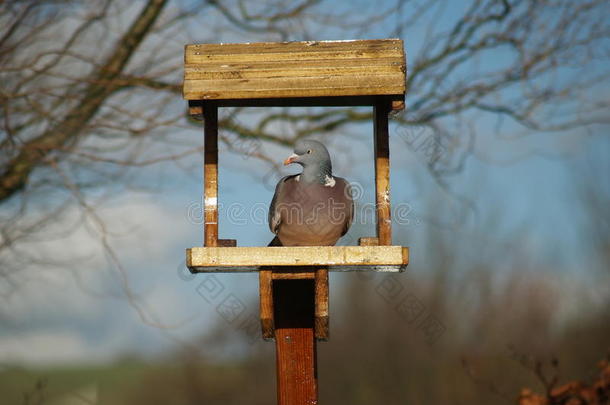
(275,242)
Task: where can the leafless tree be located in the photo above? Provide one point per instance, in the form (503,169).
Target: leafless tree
(91,90)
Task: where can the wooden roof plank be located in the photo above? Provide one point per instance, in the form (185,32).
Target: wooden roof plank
(256,64)
(287,56)
(297,46)
(201,73)
(306,82)
(288,87)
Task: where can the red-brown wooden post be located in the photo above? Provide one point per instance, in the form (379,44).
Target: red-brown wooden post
(295,343)
(265,277)
(321,311)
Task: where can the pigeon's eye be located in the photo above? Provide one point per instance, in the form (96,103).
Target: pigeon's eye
(308,151)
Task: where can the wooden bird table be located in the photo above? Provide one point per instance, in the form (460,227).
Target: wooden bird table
(293,281)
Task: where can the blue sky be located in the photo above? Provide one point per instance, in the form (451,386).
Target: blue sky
(527,207)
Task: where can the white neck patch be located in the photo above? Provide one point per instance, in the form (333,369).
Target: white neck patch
(329,181)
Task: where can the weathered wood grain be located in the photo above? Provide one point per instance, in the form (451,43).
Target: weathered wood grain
(390,268)
(368,241)
(291,69)
(382,172)
(294,69)
(287,51)
(266,303)
(321,311)
(200,258)
(286,88)
(297,275)
(295,342)
(295,46)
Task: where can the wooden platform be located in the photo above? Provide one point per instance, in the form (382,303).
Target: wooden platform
(336,258)
(295,69)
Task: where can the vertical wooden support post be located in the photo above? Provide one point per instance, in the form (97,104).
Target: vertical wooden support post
(265,278)
(210,174)
(295,344)
(294,311)
(321,326)
(382,171)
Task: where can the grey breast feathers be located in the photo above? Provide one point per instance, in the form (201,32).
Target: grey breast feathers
(310,214)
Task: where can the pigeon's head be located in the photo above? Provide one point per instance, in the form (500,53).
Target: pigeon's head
(309,153)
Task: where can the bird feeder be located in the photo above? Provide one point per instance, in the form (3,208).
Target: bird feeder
(294,280)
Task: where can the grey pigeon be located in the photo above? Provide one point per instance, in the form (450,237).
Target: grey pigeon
(313,208)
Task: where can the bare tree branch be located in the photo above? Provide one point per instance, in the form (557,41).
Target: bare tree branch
(16,173)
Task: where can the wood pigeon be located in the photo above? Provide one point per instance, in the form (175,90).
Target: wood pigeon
(313,208)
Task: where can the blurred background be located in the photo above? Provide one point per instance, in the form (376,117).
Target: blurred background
(500,187)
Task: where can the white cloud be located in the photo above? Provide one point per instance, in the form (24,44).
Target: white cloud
(78,312)
(49,347)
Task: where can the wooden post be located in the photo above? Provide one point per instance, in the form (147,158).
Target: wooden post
(382,170)
(321,315)
(295,344)
(265,277)
(294,311)
(210,175)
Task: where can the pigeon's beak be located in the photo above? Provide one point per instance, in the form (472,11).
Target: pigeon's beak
(291,159)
